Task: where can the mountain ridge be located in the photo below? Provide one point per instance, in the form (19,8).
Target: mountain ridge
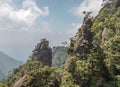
(7,63)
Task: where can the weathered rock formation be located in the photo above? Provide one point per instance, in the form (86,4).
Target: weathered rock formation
(43,53)
(104,34)
(84,39)
(85,64)
(21,81)
(86,35)
(71,48)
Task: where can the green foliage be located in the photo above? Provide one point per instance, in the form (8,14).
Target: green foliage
(91,67)
(2,84)
(113,55)
(101,65)
(68,77)
(44,77)
(85,72)
(110,18)
(21,71)
(38,75)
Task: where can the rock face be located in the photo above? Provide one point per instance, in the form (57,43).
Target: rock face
(104,34)
(43,53)
(84,38)
(21,81)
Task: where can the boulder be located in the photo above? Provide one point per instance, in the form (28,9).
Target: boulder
(21,81)
(104,34)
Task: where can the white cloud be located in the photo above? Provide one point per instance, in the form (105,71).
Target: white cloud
(43,27)
(87,5)
(74,29)
(27,14)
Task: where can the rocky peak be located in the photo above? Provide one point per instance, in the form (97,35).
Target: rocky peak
(80,46)
(43,53)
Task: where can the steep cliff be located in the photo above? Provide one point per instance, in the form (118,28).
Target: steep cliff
(94,56)
(43,53)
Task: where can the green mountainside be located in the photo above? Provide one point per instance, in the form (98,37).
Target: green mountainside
(93,58)
(36,74)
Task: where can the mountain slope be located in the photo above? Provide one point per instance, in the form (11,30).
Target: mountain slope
(107,26)
(94,56)
(2,75)
(7,63)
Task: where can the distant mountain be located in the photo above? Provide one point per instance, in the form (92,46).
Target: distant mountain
(2,75)
(7,64)
(59,54)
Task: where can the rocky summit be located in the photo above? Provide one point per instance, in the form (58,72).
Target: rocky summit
(43,53)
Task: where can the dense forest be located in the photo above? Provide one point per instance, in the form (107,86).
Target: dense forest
(93,58)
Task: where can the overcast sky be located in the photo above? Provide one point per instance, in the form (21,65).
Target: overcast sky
(24,22)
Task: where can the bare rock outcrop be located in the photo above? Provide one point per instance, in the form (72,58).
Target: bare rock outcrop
(43,53)
(21,81)
(82,44)
(104,34)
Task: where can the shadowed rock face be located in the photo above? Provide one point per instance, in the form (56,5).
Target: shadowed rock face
(43,53)
(84,40)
